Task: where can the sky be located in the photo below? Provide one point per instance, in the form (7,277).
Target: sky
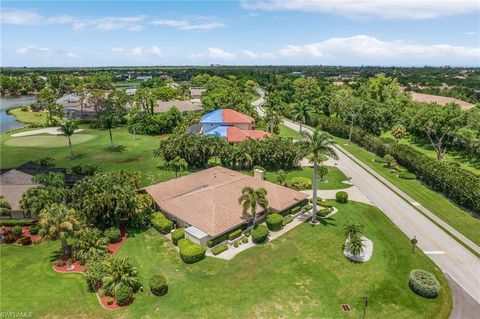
(269,32)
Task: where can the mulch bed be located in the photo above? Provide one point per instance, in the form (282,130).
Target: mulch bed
(103,302)
(112,248)
(77,267)
(26,233)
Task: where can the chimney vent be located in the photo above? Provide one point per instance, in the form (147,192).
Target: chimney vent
(258,174)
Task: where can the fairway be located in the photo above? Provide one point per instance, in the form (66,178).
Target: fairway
(48,141)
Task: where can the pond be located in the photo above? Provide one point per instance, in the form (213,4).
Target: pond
(8,122)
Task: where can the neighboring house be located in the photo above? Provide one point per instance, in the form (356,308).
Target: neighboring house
(229,124)
(13,184)
(72,108)
(144,78)
(183,106)
(206,202)
(131,91)
(196,92)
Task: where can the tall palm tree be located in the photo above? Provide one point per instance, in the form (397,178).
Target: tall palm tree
(108,121)
(120,273)
(5,208)
(68,128)
(250,199)
(59,222)
(273,118)
(317,144)
(301,112)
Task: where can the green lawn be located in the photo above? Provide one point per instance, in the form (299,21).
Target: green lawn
(466,162)
(462,220)
(28,117)
(287,132)
(130,154)
(333,179)
(302,274)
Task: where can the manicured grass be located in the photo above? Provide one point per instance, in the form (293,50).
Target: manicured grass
(462,220)
(302,274)
(48,141)
(287,132)
(333,179)
(28,117)
(129,154)
(466,162)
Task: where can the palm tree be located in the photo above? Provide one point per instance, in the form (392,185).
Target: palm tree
(252,198)
(5,208)
(108,121)
(354,230)
(398,131)
(178,164)
(68,128)
(273,119)
(317,145)
(301,112)
(120,273)
(59,222)
(355,245)
(91,245)
(322,171)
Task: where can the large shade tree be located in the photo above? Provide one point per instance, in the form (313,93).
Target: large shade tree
(48,97)
(59,222)
(252,199)
(317,146)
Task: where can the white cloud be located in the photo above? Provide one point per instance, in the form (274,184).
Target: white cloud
(370,48)
(253,55)
(195,56)
(155,51)
(216,53)
(189,25)
(139,52)
(45,53)
(364,9)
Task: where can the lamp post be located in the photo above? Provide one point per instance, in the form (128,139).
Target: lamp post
(365,305)
(414,241)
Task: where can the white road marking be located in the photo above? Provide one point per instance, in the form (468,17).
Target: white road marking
(415,203)
(434,252)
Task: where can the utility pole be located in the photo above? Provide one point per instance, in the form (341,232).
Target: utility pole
(352,115)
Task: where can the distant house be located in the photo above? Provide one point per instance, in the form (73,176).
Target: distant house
(12,186)
(183,106)
(229,124)
(131,91)
(144,78)
(206,202)
(196,92)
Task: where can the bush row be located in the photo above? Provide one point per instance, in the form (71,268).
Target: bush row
(219,249)
(235,234)
(16,222)
(190,252)
(161,223)
(217,240)
(461,186)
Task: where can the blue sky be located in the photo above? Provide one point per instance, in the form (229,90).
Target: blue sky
(342,32)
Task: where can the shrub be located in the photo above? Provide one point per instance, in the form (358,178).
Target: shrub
(235,234)
(113,234)
(95,270)
(124,294)
(16,222)
(217,240)
(424,283)
(235,244)
(158,285)
(324,211)
(379,160)
(301,183)
(178,234)
(161,223)
(260,234)
(190,252)
(288,220)
(274,221)
(295,210)
(25,241)
(109,300)
(33,230)
(407,175)
(9,237)
(17,231)
(341,197)
(219,249)
(245,240)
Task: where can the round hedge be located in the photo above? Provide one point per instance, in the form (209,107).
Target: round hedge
(162,223)
(158,285)
(300,183)
(113,234)
(178,234)
(341,197)
(190,252)
(124,294)
(424,283)
(260,234)
(34,229)
(274,221)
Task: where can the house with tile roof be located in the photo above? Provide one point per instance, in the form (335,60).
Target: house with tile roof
(206,202)
(231,125)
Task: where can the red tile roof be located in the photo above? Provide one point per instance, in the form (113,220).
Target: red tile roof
(230,117)
(234,134)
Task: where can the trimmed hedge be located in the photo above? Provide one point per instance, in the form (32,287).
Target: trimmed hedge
(460,185)
(178,234)
(407,175)
(217,240)
(158,285)
(190,252)
(219,249)
(34,229)
(260,234)
(124,294)
(300,183)
(424,283)
(288,220)
(161,223)
(235,234)
(274,221)
(16,222)
(113,234)
(341,197)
